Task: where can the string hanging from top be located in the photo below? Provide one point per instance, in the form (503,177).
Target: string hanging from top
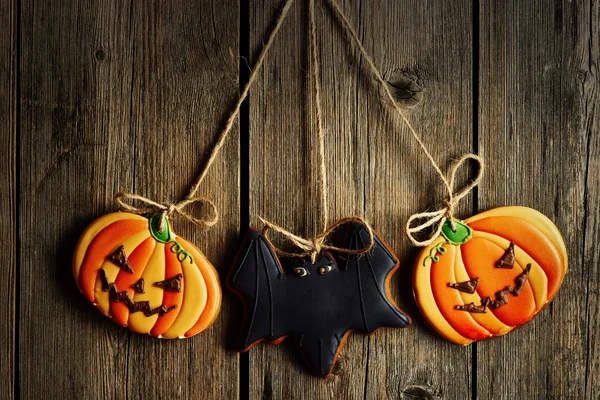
(169,208)
(447,212)
(314,246)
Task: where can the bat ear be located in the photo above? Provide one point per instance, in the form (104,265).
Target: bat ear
(344,232)
(357,228)
(353,235)
(338,237)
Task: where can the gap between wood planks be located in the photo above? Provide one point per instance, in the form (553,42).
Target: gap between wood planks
(475,129)
(244,121)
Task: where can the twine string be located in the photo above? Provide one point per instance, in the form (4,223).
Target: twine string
(314,246)
(168,209)
(178,208)
(356,40)
(439,216)
(446,212)
(315,72)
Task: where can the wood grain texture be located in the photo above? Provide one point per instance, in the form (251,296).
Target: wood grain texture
(375,169)
(128,96)
(588,60)
(185,81)
(120,96)
(74,126)
(8,199)
(538,128)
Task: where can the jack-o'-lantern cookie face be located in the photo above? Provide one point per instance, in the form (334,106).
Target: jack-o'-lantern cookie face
(493,273)
(137,271)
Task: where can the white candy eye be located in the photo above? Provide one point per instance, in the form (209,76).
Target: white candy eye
(301,272)
(324,270)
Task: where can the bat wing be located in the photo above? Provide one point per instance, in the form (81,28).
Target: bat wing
(370,272)
(254,278)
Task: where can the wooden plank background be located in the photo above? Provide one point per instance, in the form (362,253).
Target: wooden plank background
(119,96)
(8,200)
(102,96)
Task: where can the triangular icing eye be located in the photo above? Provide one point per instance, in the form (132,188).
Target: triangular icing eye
(300,271)
(119,258)
(508,258)
(172,284)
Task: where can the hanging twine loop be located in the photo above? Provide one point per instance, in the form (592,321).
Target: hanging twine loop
(313,247)
(435,217)
(438,217)
(177,208)
(168,209)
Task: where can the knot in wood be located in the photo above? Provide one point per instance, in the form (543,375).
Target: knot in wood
(406,88)
(100,55)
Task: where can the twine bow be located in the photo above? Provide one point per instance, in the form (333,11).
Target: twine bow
(314,246)
(447,212)
(435,217)
(168,209)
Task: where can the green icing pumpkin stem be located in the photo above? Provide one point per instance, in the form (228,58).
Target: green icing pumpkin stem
(160,228)
(461,235)
(161,231)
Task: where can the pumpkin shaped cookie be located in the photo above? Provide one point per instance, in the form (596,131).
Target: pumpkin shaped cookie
(137,271)
(495,271)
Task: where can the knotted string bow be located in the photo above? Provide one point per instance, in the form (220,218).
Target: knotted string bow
(447,212)
(168,209)
(435,217)
(314,246)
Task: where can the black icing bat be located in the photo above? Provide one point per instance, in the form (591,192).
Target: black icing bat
(316,305)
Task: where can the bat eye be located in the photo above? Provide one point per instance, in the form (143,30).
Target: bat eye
(301,272)
(324,270)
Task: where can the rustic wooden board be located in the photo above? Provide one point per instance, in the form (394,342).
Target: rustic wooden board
(375,169)
(8,199)
(538,128)
(185,80)
(120,96)
(587,59)
(116,95)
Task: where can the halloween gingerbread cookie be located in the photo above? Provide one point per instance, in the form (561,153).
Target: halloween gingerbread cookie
(495,271)
(315,304)
(137,271)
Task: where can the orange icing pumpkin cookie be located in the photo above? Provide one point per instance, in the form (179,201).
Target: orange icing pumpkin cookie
(495,271)
(137,271)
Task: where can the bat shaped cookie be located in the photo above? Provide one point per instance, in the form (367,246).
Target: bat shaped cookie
(315,305)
